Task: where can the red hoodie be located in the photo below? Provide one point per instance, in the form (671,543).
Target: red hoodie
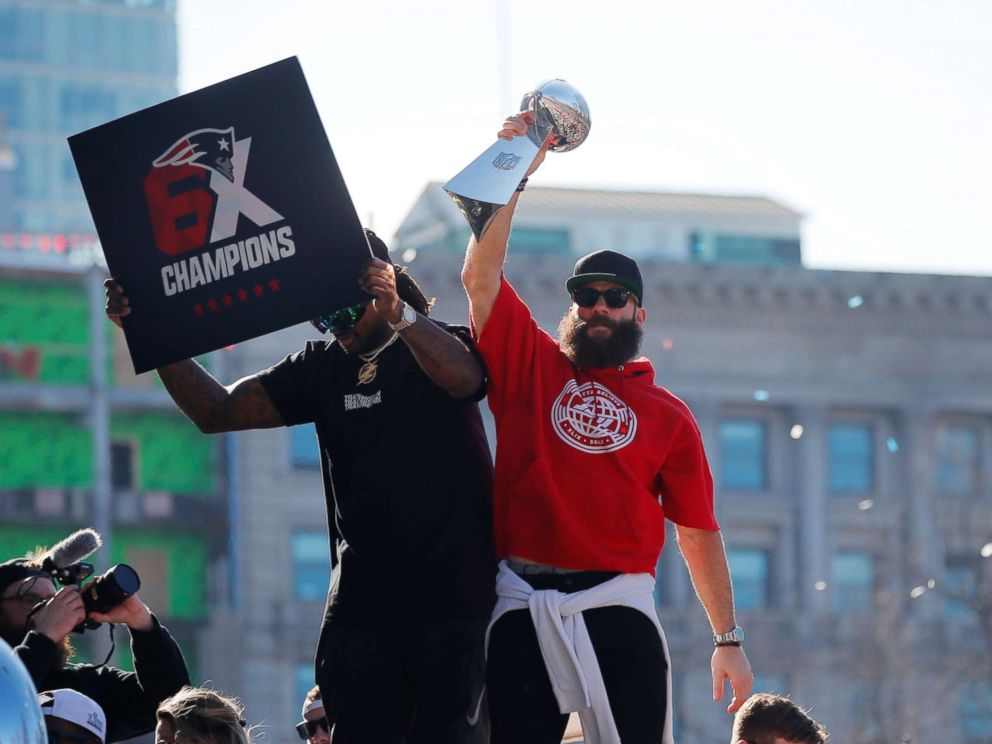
(590,461)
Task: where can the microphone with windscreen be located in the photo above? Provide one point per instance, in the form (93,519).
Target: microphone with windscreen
(64,563)
(64,560)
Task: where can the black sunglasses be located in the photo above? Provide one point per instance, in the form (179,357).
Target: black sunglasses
(340,320)
(307,729)
(615,297)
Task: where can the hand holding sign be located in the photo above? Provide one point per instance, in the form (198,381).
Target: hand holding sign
(118,306)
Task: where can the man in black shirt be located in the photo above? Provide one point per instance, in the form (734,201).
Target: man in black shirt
(407,476)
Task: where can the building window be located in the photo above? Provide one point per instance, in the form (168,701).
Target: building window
(957,459)
(152,565)
(960,586)
(743,449)
(82,106)
(661,598)
(303,681)
(744,249)
(975,711)
(122,465)
(311,565)
(775,684)
(749,571)
(11,101)
(850,458)
(303,449)
(864,702)
(853,582)
(543,240)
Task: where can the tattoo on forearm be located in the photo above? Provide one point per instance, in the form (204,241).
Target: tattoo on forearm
(211,406)
(250,406)
(194,390)
(444,357)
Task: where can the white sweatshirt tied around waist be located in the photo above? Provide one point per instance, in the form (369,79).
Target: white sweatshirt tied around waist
(567,649)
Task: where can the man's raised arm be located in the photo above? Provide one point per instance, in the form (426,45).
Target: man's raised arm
(213,407)
(484,258)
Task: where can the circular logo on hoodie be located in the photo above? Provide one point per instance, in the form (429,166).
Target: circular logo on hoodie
(592,419)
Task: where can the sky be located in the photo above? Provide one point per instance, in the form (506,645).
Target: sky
(873,118)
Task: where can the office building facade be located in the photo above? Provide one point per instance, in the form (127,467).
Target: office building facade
(67,66)
(848,421)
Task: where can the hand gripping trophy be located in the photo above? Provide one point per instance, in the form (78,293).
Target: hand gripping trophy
(489,181)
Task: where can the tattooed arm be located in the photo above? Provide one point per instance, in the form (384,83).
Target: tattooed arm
(444,357)
(208,404)
(214,407)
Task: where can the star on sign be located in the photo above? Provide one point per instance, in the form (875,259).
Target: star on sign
(223,144)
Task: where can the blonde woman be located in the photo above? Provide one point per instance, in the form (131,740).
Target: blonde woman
(195,715)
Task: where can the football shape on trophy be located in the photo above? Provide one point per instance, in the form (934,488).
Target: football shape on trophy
(561,111)
(488,182)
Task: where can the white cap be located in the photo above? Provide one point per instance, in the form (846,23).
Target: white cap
(76,708)
(312,705)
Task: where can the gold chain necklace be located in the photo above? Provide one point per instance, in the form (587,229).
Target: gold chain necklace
(367,371)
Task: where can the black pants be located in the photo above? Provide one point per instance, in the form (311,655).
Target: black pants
(419,685)
(522,705)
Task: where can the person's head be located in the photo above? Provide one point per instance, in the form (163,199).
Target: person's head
(72,718)
(359,328)
(196,715)
(314,728)
(773,719)
(603,326)
(23,586)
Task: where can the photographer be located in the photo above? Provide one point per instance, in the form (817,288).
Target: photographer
(315,728)
(36,619)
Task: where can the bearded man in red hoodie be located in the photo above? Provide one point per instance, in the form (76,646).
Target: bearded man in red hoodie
(591,458)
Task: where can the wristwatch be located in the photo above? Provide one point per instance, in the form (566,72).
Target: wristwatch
(407,318)
(733,637)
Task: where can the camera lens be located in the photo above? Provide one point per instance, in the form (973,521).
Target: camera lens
(109,590)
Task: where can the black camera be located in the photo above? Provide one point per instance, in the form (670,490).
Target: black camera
(103,593)
(110,589)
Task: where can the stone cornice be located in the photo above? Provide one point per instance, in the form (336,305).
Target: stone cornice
(725,287)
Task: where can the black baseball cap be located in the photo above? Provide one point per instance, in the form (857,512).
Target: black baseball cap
(607,266)
(16,570)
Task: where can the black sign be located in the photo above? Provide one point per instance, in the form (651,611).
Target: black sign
(223,214)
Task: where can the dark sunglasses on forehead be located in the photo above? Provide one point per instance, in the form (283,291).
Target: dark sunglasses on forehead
(340,320)
(615,297)
(307,729)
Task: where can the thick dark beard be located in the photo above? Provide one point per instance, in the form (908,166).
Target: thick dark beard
(623,344)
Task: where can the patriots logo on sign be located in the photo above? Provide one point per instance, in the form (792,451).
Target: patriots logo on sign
(204,148)
(195,191)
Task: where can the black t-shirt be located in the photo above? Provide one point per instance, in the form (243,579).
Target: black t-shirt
(407,478)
